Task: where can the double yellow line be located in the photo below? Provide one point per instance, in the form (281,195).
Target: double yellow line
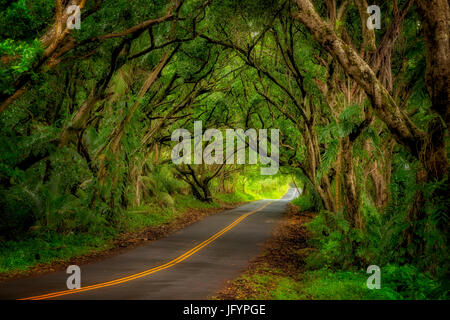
(152,270)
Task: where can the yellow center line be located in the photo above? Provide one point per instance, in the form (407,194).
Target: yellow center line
(152,270)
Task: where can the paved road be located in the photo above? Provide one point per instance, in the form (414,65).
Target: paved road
(168,268)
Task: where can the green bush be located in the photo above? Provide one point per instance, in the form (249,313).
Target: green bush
(162,180)
(410,283)
(339,246)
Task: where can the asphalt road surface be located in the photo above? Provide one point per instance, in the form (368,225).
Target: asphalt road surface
(192,263)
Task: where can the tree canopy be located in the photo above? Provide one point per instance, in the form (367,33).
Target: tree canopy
(86,115)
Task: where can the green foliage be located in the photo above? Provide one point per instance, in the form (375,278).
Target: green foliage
(49,247)
(407,282)
(162,180)
(305,202)
(23,19)
(328,159)
(397,283)
(253,186)
(272,286)
(22,56)
(335,241)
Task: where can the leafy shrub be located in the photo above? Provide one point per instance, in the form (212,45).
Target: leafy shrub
(165,199)
(410,283)
(338,245)
(305,202)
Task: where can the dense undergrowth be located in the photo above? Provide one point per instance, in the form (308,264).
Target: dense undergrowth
(336,269)
(325,265)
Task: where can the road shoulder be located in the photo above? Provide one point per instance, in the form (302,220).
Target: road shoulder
(276,272)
